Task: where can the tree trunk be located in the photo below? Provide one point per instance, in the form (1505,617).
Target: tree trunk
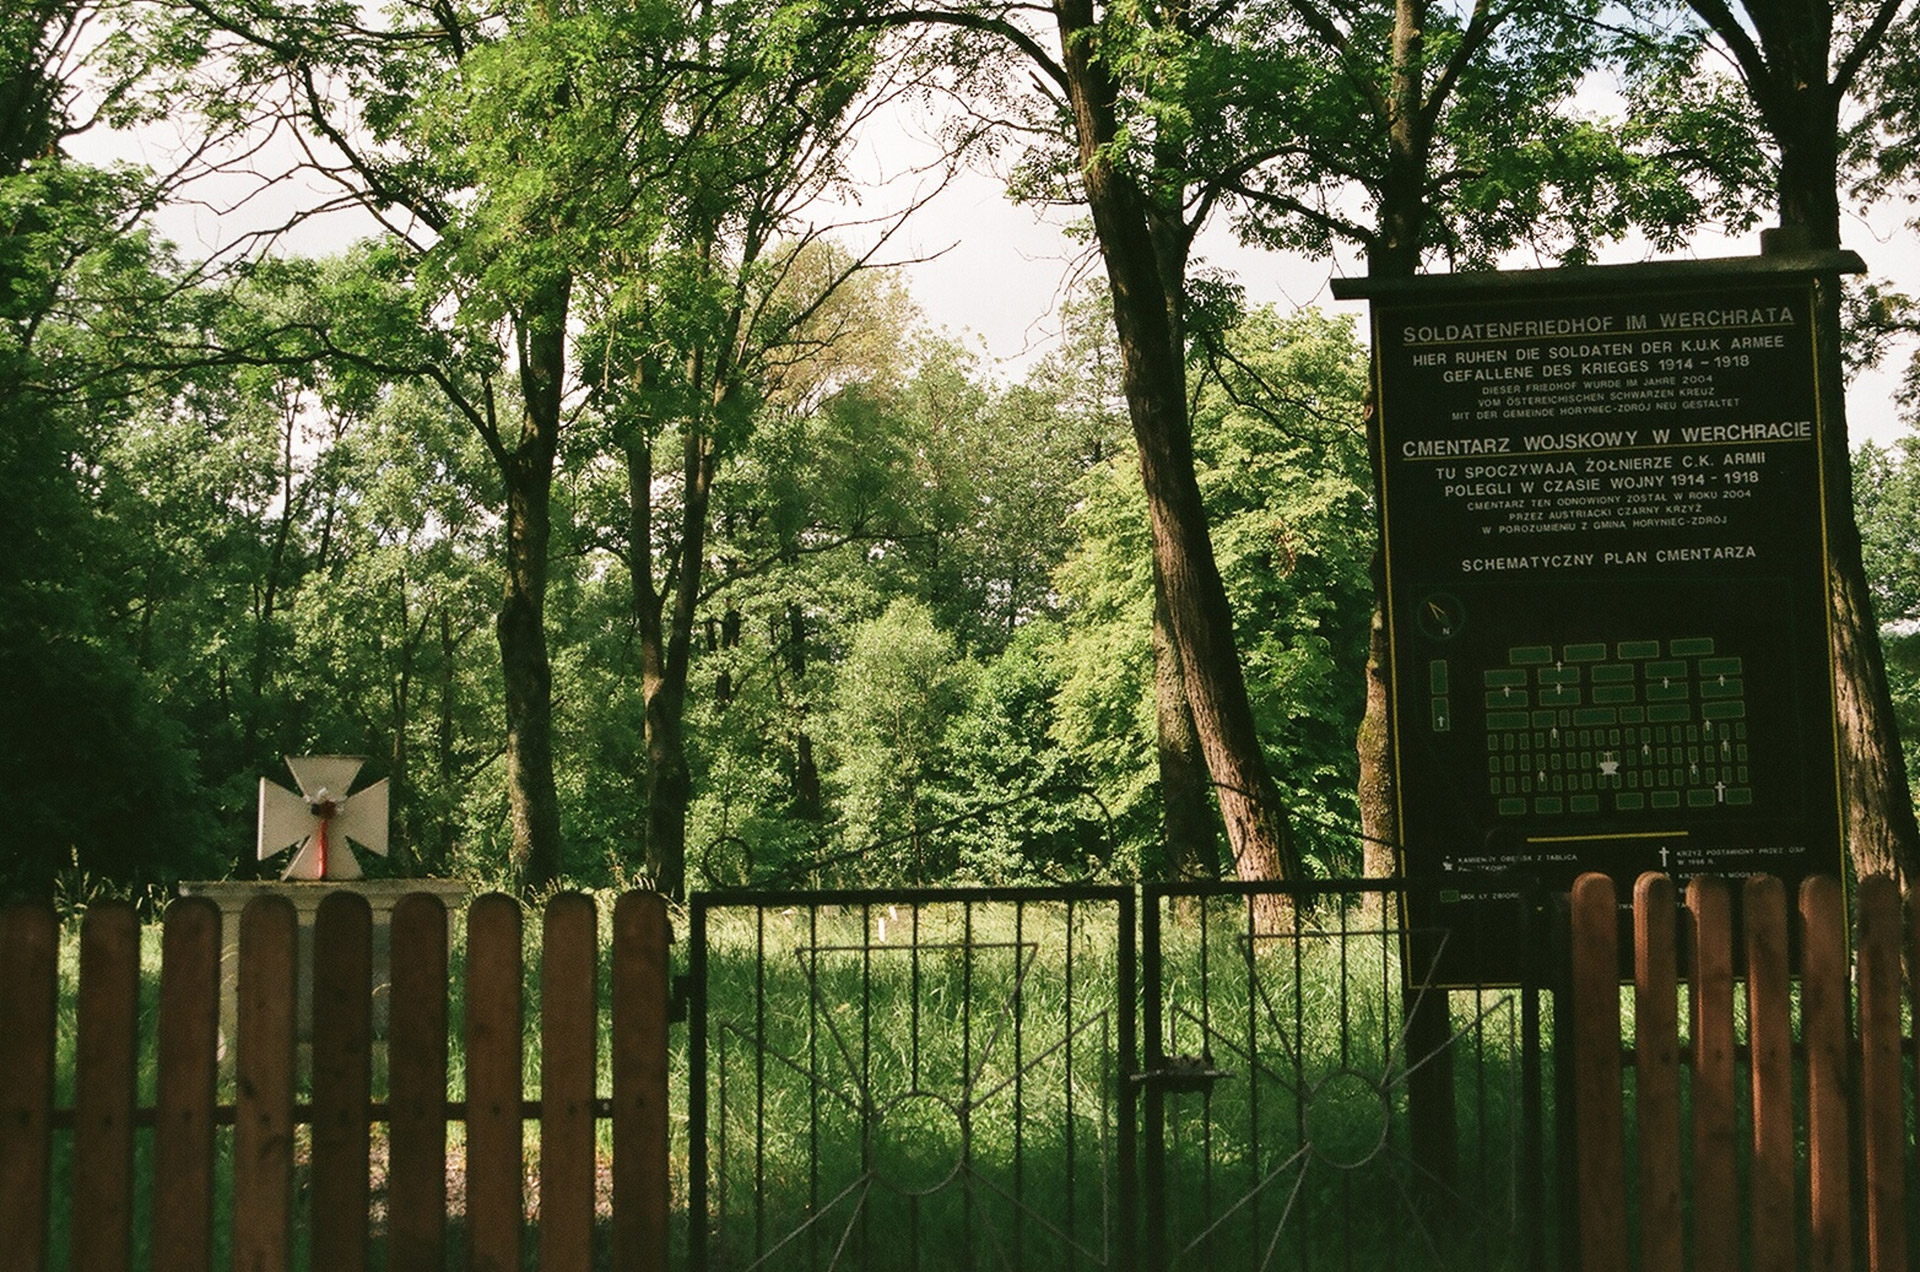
(1882,834)
(1396,253)
(808,799)
(1399,241)
(533,804)
(1153,379)
(666,645)
(1191,849)
(443,746)
(1379,795)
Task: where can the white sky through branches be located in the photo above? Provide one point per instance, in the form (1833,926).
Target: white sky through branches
(991,272)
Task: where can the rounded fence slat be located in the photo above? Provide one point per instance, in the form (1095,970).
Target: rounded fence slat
(1770,1044)
(1882,1111)
(1601,1162)
(1713,1092)
(1656,1045)
(183,1137)
(264,1083)
(417,1085)
(29,953)
(1827,1040)
(569,993)
(641,1182)
(342,1047)
(107,1014)
(494,1203)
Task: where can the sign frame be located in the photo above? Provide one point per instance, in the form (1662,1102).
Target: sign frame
(1602,502)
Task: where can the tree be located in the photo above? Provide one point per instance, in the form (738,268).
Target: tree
(1886,485)
(525,165)
(1284,469)
(699,330)
(96,777)
(1799,66)
(1414,131)
(1134,187)
(901,684)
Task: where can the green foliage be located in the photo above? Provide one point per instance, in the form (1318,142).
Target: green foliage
(97,777)
(1886,499)
(1297,122)
(900,686)
(1284,471)
(1021,807)
(1288,485)
(1698,151)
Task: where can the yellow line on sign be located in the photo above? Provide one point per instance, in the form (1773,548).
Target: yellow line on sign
(1588,839)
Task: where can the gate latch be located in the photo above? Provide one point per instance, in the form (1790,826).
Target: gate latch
(1183,1074)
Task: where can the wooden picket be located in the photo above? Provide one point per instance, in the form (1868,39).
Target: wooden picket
(1712,1231)
(1878,901)
(1599,1115)
(568,996)
(1714,1092)
(265,1209)
(342,1078)
(185,1100)
(1826,1040)
(264,1088)
(417,1085)
(494,1119)
(1656,1011)
(642,1180)
(105,1072)
(29,951)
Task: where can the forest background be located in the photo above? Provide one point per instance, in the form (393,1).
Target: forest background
(612,493)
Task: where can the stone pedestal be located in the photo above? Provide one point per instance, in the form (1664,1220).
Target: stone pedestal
(382,895)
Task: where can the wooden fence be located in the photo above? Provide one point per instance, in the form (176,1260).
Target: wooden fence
(1799,1179)
(105,1116)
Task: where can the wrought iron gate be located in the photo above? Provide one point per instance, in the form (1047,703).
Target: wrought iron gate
(1313,1100)
(955,1079)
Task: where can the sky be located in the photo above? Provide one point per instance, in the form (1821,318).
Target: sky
(1004,268)
(993,272)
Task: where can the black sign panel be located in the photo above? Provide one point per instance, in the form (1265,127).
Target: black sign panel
(1606,591)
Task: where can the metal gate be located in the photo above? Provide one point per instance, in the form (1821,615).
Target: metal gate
(1313,1100)
(958,1079)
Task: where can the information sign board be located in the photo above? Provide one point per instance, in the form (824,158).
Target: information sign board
(1606,589)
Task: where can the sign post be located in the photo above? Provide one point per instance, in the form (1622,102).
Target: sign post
(1604,530)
